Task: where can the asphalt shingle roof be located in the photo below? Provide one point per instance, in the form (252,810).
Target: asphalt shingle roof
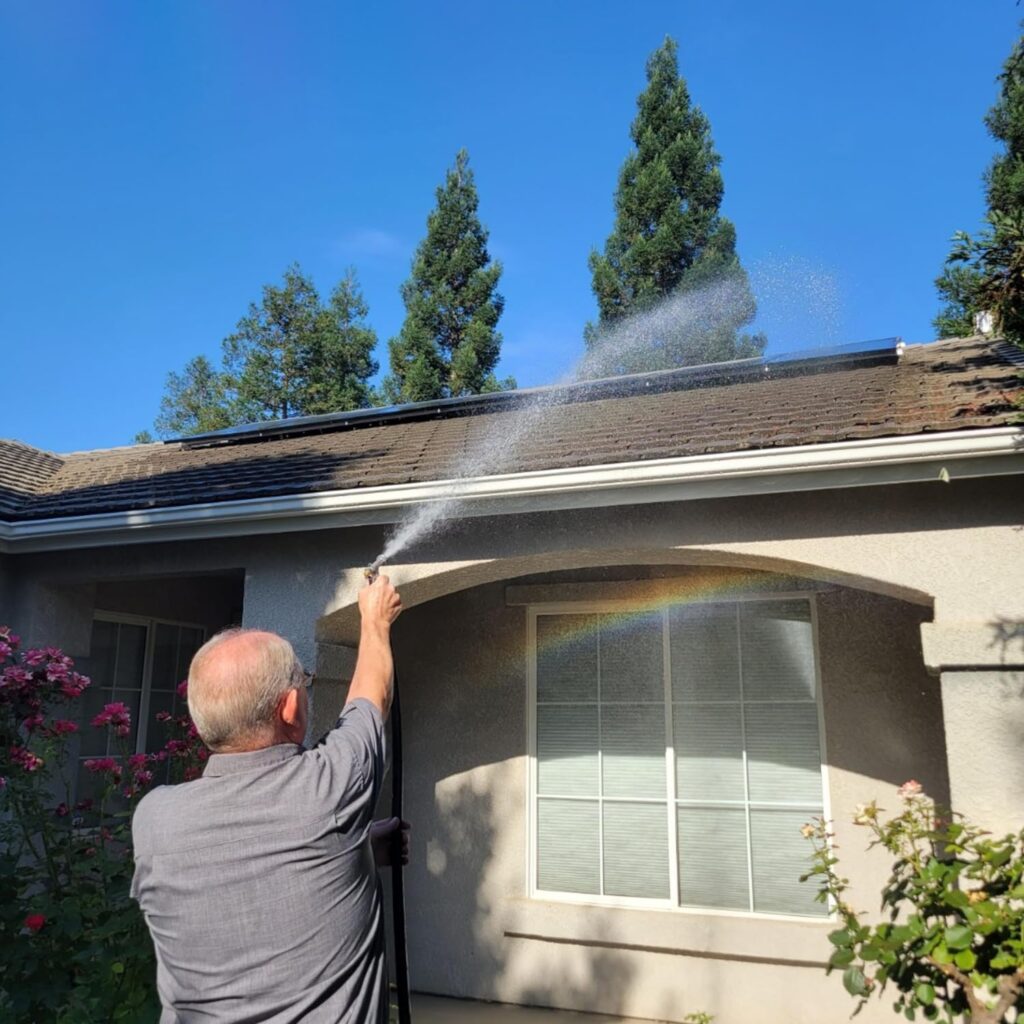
(961,384)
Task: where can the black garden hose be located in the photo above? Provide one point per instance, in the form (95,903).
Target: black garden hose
(397,876)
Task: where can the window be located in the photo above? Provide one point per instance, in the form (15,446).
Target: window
(675,754)
(138,661)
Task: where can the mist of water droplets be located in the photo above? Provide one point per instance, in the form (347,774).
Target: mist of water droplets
(786,290)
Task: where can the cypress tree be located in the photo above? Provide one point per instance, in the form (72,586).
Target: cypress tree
(669,237)
(987,272)
(449,343)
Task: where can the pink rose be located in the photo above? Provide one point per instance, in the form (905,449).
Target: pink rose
(117,715)
(910,789)
(74,685)
(105,766)
(25,759)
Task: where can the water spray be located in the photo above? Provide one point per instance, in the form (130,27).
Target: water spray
(370,574)
(620,348)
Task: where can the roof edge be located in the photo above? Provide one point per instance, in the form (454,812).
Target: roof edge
(910,458)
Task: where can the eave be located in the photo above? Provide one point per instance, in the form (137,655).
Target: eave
(903,459)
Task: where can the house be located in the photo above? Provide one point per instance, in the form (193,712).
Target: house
(680,615)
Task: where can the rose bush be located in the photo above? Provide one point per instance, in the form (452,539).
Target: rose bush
(953,945)
(73,944)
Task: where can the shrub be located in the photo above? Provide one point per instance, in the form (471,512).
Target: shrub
(953,943)
(73,944)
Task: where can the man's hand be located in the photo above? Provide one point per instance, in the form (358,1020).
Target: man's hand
(379,603)
(387,837)
(379,606)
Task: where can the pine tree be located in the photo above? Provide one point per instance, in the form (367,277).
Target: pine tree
(340,359)
(290,355)
(449,344)
(267,358)
(984,272)
(670,239)
(195,401)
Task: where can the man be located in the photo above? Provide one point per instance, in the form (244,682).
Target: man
(258,881)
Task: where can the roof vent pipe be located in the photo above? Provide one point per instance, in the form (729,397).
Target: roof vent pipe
(984,322)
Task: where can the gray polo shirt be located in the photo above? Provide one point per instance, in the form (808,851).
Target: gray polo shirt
(259,887)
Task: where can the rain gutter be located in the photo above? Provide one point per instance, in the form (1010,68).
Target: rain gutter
(914,458)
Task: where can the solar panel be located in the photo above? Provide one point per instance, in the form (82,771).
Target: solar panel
(813,360)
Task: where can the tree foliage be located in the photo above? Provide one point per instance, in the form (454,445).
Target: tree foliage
(266,358)
(195,400)
(958,286)
(340,359)
(669,238)
(290,355)
(986,272)
(449,343)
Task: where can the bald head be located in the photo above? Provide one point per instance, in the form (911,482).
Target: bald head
(235,686)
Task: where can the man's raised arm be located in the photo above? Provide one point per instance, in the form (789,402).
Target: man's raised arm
(379,606)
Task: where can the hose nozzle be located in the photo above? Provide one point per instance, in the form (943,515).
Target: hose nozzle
(371,572)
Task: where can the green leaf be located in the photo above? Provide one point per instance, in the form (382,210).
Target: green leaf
(842,937)
(117,967)
(854,981)
(925,993)
(959,936)
(841,957)
(965,959)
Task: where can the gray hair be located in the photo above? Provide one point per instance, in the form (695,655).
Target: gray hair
(234,702)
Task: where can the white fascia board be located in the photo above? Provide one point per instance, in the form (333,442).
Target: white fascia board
(912,458)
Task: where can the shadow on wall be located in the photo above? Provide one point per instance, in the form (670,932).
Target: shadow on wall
(461,856)
(1008,642)
(462,660)
(464,711)
(883,706)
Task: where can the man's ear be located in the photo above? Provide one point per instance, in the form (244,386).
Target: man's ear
(291,708)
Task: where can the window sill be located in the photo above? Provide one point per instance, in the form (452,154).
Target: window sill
(703,934)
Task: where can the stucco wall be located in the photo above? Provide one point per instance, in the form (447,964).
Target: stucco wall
(464,704)
(948,553)
(985,750)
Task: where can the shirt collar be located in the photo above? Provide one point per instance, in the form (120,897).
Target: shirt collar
(230,764)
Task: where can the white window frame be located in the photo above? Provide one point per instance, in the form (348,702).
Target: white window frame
(671,904)
(143,725)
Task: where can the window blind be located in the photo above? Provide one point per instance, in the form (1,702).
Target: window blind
(678,752)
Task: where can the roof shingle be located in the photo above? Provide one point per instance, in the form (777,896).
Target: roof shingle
(954,385)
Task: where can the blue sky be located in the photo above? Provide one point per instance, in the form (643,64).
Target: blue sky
(162,161)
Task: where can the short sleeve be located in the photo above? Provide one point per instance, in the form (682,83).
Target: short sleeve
(353,753)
